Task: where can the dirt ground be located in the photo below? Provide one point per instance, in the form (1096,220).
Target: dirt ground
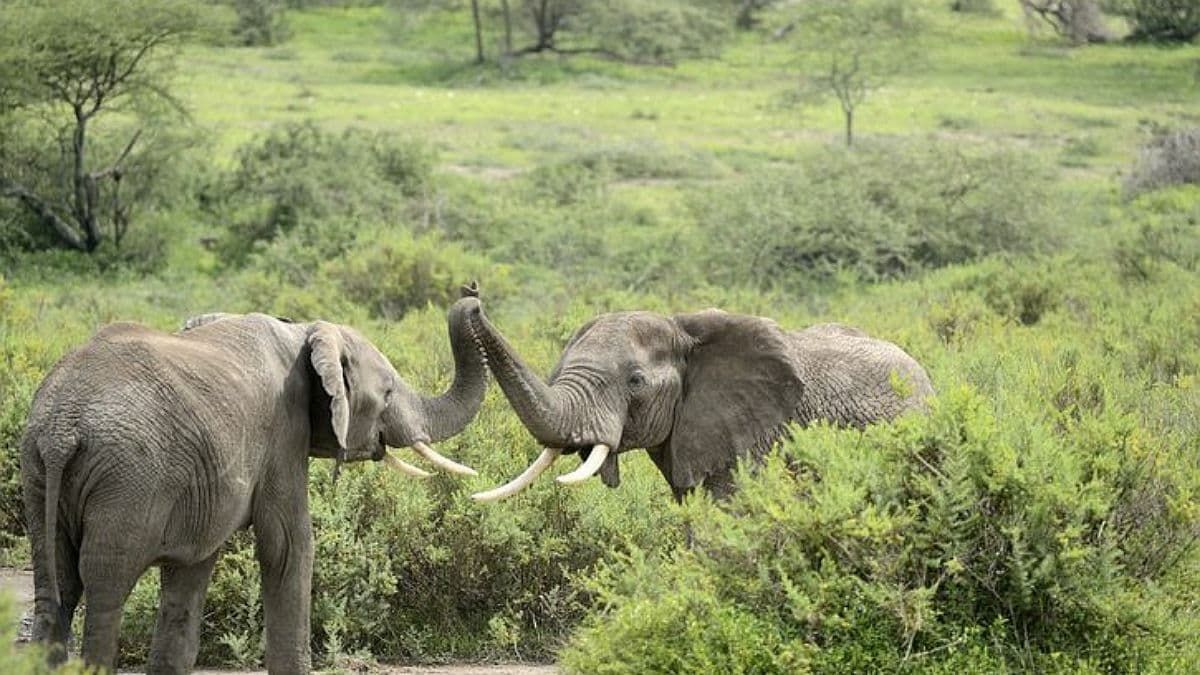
(19,583)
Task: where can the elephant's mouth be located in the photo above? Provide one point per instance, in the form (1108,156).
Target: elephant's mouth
(380,448)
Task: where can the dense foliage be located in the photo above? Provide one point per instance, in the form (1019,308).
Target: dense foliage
(1161,20)
(1018,526)
(995,218)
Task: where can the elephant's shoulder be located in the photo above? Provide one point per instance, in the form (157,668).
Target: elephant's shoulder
(124,330)
(833,330)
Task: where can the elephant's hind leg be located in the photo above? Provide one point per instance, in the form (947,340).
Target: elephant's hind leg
(110,563)
(180,608)
(52,621)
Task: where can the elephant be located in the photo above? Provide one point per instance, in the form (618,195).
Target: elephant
(698,391)
(145,448)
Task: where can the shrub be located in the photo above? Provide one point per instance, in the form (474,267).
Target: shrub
(909,547)
(654,31)
(987,7)
(392,272)
(1161,20)
(1170,158)
(260,23)
(299,176)
(1167,233)
(879,212)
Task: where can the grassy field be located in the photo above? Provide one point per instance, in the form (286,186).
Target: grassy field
(1056,317)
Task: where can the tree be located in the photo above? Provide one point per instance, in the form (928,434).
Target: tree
(68,64)
(849,48)
(478,31)
(1079,21)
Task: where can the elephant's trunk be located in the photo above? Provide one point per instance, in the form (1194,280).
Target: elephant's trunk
(544,410)
(449,413)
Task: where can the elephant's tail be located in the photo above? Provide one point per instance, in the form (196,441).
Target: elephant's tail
(54,472)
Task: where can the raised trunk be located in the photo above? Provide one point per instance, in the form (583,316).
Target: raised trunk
(449,413)
(541,408)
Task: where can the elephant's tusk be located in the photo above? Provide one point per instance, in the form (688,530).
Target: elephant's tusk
(404,467)
(443,463)
(519,483)
(589,468)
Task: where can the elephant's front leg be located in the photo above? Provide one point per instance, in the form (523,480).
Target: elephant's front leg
(180,608)
(284,544)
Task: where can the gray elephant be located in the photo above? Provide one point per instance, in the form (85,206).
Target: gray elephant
(697,390)
(146,448)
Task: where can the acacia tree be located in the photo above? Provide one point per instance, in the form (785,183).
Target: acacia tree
(849,48)
(66,65)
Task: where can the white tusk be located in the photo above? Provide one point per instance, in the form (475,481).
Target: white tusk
(404,467)
(519,483)
(588,468)
(443,463)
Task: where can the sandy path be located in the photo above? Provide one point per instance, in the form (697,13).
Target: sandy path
(19,584)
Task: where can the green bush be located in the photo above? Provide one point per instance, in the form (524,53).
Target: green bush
(260,23)
(392,272)
(1168,233)
(1021,541)
(301,177)
(654,31)
(878,212)
(987,7)
(1161,20)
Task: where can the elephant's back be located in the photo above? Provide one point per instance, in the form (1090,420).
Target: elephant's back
(127,380)
(856,380)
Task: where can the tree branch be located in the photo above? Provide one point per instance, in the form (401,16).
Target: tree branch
(116,165)
(39,207)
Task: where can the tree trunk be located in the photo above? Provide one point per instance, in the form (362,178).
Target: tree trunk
(85,187)
(849,126)
(478,31)
(508,49)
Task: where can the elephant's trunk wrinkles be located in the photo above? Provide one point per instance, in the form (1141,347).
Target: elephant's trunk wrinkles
(542,409)
(449,413)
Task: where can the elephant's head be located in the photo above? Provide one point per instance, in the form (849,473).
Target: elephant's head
(359,405)
(697,390)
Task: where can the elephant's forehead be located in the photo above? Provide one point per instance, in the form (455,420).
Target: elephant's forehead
(632,330)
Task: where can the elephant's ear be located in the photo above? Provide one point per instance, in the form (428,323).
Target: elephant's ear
(325,343)
(740,389)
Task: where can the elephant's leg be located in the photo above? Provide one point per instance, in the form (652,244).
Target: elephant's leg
(52,620)
(284,545)
(109,565)
(180,608)
(720,484)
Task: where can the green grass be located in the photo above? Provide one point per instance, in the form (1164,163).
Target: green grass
(365,67)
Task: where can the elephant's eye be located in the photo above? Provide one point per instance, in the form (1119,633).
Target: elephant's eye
(636,381)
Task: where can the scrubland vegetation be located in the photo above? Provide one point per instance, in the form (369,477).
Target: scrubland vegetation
(1019,213)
